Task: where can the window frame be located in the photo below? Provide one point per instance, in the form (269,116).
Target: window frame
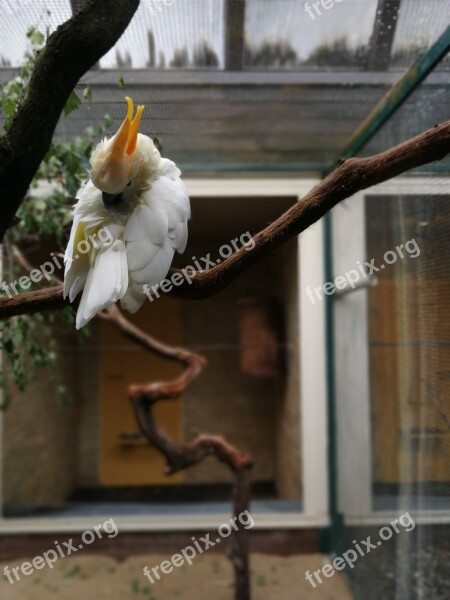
(351,351)
(312,391)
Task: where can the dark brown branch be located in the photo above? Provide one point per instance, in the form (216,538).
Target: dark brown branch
(32,302)
(353,175)
(69,53)
(143,398)
(350,177)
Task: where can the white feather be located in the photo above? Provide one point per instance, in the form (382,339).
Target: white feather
(160,221)
(146,222)
(140,253)
(76,267)
(133,300)
(107,282)
(156,270)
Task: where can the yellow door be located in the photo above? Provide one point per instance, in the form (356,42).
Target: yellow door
(125,458)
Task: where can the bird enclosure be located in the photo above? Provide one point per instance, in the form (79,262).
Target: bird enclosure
(289,361)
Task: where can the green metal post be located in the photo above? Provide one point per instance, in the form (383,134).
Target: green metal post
(397,95)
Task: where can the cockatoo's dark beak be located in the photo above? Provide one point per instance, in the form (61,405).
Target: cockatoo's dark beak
(111,199)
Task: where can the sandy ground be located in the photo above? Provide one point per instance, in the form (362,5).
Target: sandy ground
(209,578)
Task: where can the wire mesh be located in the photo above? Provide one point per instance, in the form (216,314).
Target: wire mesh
(408,340)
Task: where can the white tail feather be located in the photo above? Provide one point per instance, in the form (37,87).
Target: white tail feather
(107,282)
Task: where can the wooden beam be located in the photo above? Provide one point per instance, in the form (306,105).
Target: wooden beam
(381,42)
(234,34)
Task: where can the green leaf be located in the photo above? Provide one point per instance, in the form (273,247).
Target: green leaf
(108,121)
(87,93)
(122,84)
(73,103)
(36,38)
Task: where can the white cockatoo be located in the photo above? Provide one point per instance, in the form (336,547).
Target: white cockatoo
(138,199)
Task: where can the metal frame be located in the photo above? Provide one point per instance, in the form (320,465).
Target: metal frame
(351,360)
(180,78)
(314,418)
(382,39)
(234,34)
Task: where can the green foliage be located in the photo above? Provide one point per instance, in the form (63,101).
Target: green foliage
(21,339)
(405,56)
(136,589)
(205,56)
(338,54)
(28,342)
(180,59)
(272,54)
(279,54)
(12,92)
(73,572)
(87,94)
(65,164)
(73,103)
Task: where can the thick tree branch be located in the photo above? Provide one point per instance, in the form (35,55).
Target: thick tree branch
(69,53)
(352,176)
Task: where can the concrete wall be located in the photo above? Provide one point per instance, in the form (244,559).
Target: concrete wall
(40,439)
(87,392)
(259,415)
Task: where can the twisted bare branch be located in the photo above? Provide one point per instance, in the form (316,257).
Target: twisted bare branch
(143,397)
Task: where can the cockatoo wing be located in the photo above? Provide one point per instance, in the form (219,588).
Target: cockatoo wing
(173,194)
(76,266)
(156,229)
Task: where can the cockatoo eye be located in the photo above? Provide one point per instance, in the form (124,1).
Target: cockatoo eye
(129,183)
